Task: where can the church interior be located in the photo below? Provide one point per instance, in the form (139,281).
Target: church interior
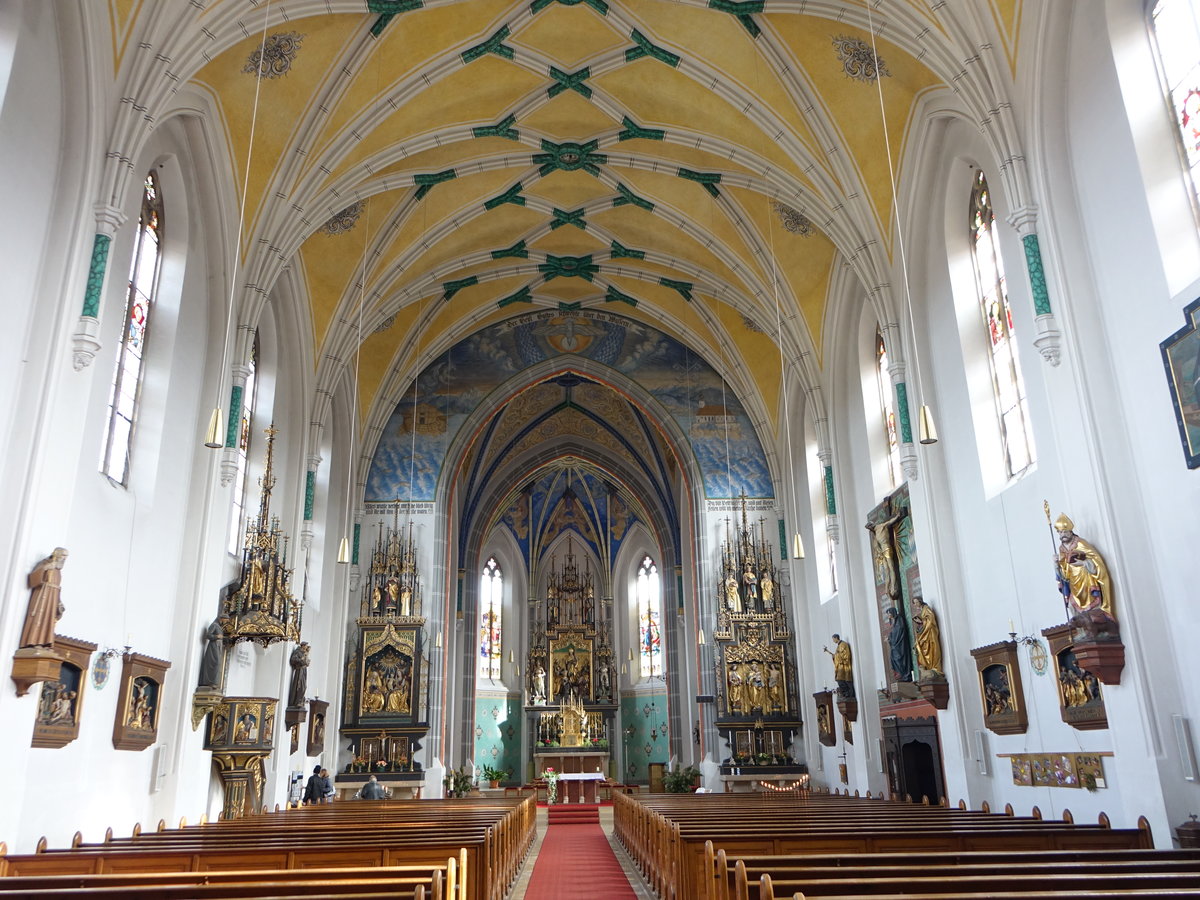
(784,396)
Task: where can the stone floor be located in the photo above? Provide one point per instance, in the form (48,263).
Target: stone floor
(606,823)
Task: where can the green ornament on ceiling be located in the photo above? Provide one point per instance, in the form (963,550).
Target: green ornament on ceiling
(598,5)
(516,251)
(388,10)
(450,288)
(619,252)
(629,197)
(491,45)
(562,217)
(512,195)
(612,295)
(569,267)
(569,157)
(570,307)
(684,287)
(573,81)
(741,12)
(707,180)
(524,295)
(502,129)
(645,48)
(634,130)
(425,182)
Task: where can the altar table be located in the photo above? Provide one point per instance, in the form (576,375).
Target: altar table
(579,787)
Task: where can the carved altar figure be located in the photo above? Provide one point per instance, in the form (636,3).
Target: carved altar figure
(45,602)
(750,582)
(1082,575)
(258,582)
(767,587)
(736,688)
(376,599)
(755,687)
(928,636)
(212,662)
(372,696)
(406,601)
(393,591)
(539,685)
(823,724)
(299,685)
(883,555)
(775,686)
(733,597)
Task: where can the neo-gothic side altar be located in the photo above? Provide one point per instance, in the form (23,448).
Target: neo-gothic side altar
(571,676)
(385,697)
(758,711)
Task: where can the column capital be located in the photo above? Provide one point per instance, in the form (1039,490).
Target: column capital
(108,218)
(1024,219)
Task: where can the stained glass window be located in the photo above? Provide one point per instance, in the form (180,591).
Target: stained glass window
(491,599)
(887,409)
(649,604)
(139,306)
(1008,387)
(245,433)
(1176,28)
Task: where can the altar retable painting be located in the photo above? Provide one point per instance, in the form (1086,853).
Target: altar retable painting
(415,441)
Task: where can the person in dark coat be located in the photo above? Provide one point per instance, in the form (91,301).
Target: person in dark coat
(372,790)
(314,790)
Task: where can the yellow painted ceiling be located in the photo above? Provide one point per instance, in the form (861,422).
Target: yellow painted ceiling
(461,123)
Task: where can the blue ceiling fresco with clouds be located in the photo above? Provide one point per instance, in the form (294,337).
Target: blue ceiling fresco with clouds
(408,460)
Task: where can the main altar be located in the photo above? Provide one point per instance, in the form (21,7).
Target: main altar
(758,712)
(570,696)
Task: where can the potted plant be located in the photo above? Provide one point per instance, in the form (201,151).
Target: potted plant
(493,775)
(680,781)
(457,782)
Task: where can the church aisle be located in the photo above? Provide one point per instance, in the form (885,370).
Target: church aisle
(597,867)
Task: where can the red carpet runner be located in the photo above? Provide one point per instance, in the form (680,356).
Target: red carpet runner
(576,862)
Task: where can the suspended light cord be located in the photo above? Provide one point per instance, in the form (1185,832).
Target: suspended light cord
(928,433)
(344,546)
(797,541)
(213,439)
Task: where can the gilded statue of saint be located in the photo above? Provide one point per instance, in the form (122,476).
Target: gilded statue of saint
(1082,575)
(767,587)
(45,603)
(775,686)
(928,637)
(756,692)
(733,597)
(736,696)
(843,667)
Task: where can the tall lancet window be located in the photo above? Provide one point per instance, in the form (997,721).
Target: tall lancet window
(649,604)
(245,435)
(491,602)
(1176,28)
(1008,387)
(139,305)
(887,408)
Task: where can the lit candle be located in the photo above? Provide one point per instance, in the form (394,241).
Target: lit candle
(1012,629)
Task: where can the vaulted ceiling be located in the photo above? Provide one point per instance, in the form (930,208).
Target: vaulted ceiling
(702,165)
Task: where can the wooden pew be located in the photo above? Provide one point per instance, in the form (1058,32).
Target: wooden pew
(421,882)
(492,838)
(666,836)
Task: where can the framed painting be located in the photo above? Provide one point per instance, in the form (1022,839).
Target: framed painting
(1181,358)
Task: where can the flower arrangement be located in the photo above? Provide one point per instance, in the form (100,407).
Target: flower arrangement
(551,778)
(493,775)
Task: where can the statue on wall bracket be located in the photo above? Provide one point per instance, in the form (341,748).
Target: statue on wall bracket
(1087,592)
(927,640)
(843,674)
(36,658)
(897,580)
